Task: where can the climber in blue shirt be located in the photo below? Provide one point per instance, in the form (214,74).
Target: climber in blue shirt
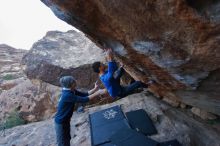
(110,77)
(68,98)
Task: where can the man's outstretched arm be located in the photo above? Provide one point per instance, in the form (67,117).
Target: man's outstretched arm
(112,66)
(94,89)
(85,99)
(97,93)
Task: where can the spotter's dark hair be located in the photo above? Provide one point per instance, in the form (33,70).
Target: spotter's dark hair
(67,81)
(95,66)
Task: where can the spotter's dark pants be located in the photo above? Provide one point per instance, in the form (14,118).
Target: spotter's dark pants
(63,134)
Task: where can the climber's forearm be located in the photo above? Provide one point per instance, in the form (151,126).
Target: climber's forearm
(97,93)
(92,91)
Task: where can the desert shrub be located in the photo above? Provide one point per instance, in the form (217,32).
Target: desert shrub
(14,119)
(8,77)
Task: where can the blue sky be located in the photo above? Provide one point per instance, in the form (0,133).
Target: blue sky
(23,22)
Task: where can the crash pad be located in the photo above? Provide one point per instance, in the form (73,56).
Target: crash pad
(130,137)
(141,122)
(105,123)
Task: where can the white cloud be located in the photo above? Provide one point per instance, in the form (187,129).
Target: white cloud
(23,22)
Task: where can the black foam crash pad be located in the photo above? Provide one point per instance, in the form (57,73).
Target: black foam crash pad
(106,116)
(129,137)
(170,143)
(105,123)
(141,122)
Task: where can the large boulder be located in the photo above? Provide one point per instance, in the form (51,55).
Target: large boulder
(170,124)
(59,54)
(175,42)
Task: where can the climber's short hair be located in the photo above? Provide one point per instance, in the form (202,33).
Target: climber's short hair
(96,66)
(67,81)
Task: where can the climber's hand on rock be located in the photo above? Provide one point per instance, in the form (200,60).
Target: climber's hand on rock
(151,81)
(109,54)
(96,85)
(121,65)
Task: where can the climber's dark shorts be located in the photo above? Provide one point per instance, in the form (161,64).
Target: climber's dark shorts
(63,134)
(127,90)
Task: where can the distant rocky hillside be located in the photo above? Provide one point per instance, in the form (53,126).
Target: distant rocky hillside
(19,96)
(10,69)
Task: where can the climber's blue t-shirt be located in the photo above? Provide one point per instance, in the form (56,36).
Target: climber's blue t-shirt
(110,83)
(66,104)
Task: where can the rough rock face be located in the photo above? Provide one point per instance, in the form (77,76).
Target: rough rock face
(175,42)
(170,123)
(58,54)
(10,69)
(33,102)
